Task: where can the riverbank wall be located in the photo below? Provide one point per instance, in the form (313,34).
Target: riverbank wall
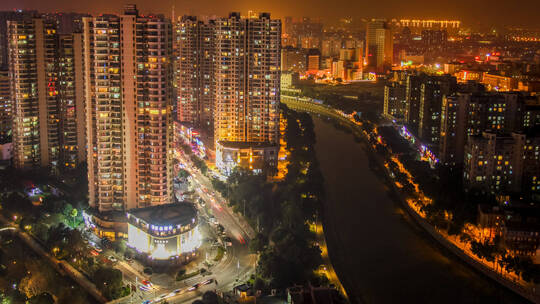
(301,105)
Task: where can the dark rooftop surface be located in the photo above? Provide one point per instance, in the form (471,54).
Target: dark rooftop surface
(245,145)
(168,214)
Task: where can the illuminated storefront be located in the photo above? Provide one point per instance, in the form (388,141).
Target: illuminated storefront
(252,156)
(164,231)
(187,134)
(109,224)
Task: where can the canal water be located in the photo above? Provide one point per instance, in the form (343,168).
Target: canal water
(378,252)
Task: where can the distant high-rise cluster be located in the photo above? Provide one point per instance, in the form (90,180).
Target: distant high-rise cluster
(492,136)
(305,33)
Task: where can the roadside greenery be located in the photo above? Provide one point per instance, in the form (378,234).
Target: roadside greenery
(26,277)
(219,254)
(56,223)
(182,275)
(199,163)
(281,211)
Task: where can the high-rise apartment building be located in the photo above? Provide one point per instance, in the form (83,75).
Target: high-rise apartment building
(286,33)
(46,85)
(452,130)
(247,87)
(307,33)
(412,95)
(465,114)
(6,16)
(6,116)
(331,46)
(531,113)
(379,46)
(71,100)
(294,60)
(432,91)
(494,162)
(194,72)
(128,81)
(33,47)
(434,39)
(395,103)
(531,164)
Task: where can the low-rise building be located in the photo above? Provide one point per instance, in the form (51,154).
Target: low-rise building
(499,82)
(164,231)
(252,156)
(521,238)
(312,295)
(6,151)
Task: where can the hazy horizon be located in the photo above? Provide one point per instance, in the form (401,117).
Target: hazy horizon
(472,12)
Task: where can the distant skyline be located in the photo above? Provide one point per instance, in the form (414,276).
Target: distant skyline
(471,12)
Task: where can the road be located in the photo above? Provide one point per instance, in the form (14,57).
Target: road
(235,267)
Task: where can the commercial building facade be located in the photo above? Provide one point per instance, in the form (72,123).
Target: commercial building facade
(164,231)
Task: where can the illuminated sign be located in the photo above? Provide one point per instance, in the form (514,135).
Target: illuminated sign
(166,247)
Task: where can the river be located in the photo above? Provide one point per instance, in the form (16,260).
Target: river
(378,252)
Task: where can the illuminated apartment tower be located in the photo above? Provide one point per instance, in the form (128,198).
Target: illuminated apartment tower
(194,72)
(128,74)
(5,106)
(247,83)
(470,114)
(71,100)
(32,68)
(379,46)
(247,79)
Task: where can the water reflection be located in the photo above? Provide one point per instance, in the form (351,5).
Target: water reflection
(379,254)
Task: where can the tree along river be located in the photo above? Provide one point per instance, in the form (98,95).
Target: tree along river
(378,252)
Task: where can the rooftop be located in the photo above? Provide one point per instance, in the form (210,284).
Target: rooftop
(245,145)
(168,214)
